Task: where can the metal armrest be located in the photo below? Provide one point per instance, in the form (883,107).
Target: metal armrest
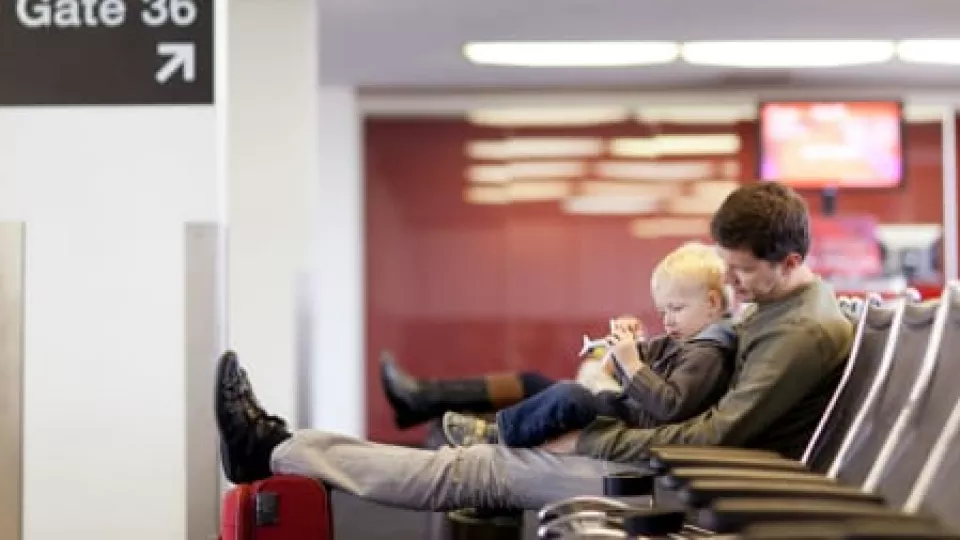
(663,463)
(573,505)
(593,533)
(732,515)
(707,449)
(575,522)
(682,476)
(700,493)
(616,485)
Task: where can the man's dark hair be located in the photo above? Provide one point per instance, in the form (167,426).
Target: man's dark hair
(767,218)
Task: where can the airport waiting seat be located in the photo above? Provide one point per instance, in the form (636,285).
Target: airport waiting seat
(911,441)
(871,360)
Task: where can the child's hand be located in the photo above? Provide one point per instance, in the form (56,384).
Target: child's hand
(623,350)
(627,324)
(608,365)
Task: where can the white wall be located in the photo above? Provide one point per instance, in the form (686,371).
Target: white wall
(337,360)
(271,178)
(105,192)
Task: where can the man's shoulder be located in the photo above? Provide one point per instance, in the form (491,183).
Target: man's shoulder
(798,323)
(826,338)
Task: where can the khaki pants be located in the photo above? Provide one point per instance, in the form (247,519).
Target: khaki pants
(483,476)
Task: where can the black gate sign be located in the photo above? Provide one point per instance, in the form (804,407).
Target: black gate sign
(106,52)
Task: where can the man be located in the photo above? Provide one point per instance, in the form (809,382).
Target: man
(792,349)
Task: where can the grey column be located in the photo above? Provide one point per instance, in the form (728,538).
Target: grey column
(205,323)
(11,380)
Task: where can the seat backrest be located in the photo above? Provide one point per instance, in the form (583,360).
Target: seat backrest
(937,489)
(923,419)
(875,329)
(887,395)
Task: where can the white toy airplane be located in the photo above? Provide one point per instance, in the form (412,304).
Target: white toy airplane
(590,344)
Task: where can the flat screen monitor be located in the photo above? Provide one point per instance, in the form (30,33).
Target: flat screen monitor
(832,144)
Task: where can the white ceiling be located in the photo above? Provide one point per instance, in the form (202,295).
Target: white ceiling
(417,43)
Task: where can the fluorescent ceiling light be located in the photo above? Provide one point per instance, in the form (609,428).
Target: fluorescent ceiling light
(654,170)
(675,145)
(542,116)
(537,191)
(545,169)
(486,195)
(517,192)
(571,53)
(488,173)
(730,169)
(704,200)
(610,205)
(534,147)
(719,189)
(691,205)
(623,189)
(697,114)
(493,150)
(787,54)
(525,170)
(669,227)
(930,51)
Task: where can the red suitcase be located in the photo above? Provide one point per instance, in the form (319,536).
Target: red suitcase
(278,508)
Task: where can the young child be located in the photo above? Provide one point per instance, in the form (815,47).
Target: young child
(668,379)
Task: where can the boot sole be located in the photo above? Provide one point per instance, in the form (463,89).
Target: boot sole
(226,361)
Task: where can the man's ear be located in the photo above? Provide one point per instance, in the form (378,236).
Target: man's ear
(791,262)
(716,300)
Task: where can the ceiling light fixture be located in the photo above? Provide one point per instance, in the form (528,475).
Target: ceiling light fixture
(654,170)
(676,145)
(629,189)
(697,114)
(610,205)
(486,195)
(669,227)
(571,53)
(930,51)
(539,191)
(534,148)
(525,170)
(788,54)
(544,116)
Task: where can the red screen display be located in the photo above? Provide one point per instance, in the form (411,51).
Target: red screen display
(841,144)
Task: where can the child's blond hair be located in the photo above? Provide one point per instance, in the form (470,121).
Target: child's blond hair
(693,263)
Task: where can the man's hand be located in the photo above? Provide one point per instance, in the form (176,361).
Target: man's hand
(564,444)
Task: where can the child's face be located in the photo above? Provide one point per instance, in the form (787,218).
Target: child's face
(687,308)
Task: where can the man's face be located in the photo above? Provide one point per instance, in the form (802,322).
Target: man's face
(752,279)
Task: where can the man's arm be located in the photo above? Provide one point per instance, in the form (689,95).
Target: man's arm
(781,367)
(700,368)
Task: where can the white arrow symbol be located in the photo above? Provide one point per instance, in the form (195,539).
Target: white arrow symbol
(181,56)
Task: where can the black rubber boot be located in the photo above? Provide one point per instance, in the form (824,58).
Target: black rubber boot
(415,402)
(248,434)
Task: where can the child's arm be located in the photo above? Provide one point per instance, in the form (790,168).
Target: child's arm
(699,373)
